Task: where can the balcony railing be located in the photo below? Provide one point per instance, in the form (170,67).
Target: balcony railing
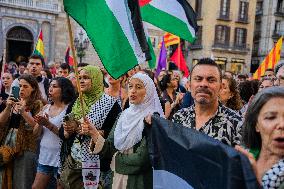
(277,34)
(227,17)
(35,4)
(244,20)
(217,45)
(259,12)
(196,46)
(241,47)
(231,47)
(279,12)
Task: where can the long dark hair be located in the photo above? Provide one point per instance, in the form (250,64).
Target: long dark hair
(67,89)
(235,102)
(36,93)
(251,138)
(163,84)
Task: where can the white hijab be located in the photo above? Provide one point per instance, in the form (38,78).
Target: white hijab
(130,125)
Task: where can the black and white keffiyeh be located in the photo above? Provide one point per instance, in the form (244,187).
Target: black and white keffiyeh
(91,162)
(274,177)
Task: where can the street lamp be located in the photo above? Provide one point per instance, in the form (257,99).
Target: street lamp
(81,45)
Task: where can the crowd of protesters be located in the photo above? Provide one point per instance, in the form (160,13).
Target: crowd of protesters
(50,138)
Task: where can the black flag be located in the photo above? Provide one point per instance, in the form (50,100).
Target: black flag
(184,158)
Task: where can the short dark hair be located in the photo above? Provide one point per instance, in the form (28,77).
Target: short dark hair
(67,89)
(82,65)
(163,84)
(270,70)
(65,66)
(207,62)
(241,76)
(36,56)
(247,89)
(23,64)
(251,138)
(48,73)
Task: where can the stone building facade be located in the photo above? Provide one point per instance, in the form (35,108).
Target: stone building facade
(20,23)
(269,27)
(225,33)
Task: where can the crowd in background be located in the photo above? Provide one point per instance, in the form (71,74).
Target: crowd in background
(48,141)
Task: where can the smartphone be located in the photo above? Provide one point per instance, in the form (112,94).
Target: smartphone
(15,92)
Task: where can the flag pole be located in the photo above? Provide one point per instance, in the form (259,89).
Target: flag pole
(75,63)
(179,51)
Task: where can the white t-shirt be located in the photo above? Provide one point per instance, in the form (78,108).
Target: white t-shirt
(50,143)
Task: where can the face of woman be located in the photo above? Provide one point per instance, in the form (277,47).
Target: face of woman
(85,81)
(225,93)
(270,125)
(54,91)
(136,91)
(25,89)
(7,80)
(174,82)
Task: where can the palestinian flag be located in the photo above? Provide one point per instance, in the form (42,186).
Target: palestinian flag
(184,158)
(116,31)
(174,16)
(39,50)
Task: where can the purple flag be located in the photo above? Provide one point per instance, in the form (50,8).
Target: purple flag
(162,63)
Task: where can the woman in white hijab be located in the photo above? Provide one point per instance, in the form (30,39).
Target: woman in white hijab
(126,144)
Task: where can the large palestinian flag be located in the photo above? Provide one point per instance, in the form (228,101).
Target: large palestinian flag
(115,29)
(174,16)
(184,158)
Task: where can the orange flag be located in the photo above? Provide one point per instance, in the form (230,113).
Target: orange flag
(170,39)
(270,60)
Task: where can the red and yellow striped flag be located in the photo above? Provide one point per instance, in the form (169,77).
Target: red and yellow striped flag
(39,50)
(170,39)
(270,60)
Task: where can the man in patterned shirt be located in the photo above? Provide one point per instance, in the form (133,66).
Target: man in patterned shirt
(208,115)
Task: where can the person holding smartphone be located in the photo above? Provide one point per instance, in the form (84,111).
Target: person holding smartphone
(19,142)
(7,80)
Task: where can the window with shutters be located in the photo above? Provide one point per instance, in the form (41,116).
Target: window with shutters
(259,7)
(240,37)
(198,8)
(243,11)
(222,34)
(278,29)
(198,42)
(225,9)
(280,6)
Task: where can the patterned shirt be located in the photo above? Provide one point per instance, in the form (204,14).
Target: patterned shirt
(224,126)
